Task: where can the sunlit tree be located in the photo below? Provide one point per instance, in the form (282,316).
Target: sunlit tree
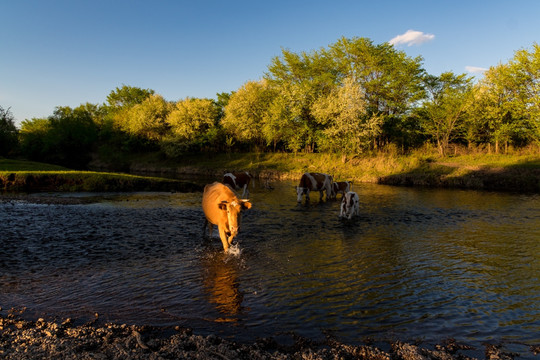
(149,118)
(127,96)
(192,117)
(300,80)
(246,111)
(348,126)
(524,72)
(449,100)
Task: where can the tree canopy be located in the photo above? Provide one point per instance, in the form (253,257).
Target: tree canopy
(350,97)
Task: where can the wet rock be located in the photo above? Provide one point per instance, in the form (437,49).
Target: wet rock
(42,339)
(494,352)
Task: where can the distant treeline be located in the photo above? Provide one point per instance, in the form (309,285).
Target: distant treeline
(351,97)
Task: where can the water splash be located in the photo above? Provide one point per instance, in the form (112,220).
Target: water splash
(234,250)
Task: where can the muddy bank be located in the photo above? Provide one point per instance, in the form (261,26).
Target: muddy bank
(21,338)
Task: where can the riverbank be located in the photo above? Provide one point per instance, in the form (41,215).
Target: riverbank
(21,338)
(493,172)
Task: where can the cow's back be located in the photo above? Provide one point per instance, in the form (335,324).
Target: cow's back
(315,181)
(230,180)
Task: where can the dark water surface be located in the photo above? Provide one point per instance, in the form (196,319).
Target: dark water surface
(417,264)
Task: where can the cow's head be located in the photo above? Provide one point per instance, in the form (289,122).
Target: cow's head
(234,213)
(301,191)
(348,204)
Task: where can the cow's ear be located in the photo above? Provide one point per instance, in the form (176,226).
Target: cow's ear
(223,205)
(246,205)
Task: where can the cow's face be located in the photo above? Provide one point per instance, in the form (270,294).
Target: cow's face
(301,191)
(349,203)
(234,213)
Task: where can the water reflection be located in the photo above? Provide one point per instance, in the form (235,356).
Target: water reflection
(415,264)
(220,279)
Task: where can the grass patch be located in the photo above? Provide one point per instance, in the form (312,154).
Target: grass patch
(26,176)
(23,165)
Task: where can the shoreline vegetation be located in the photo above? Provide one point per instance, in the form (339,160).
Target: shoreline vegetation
(513,173)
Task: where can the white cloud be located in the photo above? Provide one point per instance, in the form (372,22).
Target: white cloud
(412,37)
(475,69)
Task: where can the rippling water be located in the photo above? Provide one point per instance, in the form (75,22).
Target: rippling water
(417,264)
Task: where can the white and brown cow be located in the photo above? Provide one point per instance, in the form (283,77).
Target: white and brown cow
(350,205)
(314,182)
(237,181)
(223,208)
(342,187)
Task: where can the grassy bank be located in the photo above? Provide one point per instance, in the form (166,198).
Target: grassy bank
(27,176)
(516,172)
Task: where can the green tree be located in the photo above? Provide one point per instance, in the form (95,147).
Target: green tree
(496,94)
(8,132)
(148,119)
(127,96)
(449,99)
(33,136)
(524,71)
(246,111)
(116,122)
(391,82)
(65,138)
(299,80)
(192,118)
(221,103)
(348,126)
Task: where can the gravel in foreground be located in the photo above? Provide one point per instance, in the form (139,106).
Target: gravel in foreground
(41,339)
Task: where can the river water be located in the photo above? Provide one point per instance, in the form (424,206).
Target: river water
(417,264)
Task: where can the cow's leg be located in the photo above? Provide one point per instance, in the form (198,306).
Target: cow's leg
(307,195)
(230,239)
(245,194)
(224,238)
(321,193)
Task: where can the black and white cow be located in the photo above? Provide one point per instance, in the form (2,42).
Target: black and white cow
(350,205)
(237,181)
(314,182)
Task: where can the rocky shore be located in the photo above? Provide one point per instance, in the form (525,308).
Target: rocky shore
(21,338)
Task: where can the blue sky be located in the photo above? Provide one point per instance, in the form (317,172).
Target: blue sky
(64,53)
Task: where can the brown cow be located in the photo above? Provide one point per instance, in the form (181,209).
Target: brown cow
(314,182)
(237,181)
(222,207)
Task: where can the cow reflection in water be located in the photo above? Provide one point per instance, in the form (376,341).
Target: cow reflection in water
(221,284)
